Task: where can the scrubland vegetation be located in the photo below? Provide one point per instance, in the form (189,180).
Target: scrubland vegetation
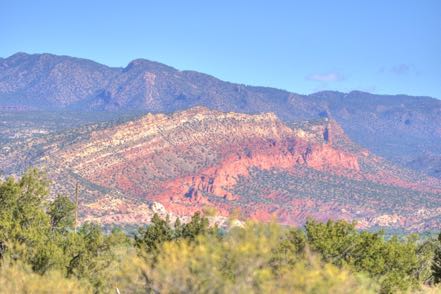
(42,251)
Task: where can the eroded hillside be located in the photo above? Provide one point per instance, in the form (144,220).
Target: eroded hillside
(255,164)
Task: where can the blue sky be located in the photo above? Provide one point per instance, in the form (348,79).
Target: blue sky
(378,46)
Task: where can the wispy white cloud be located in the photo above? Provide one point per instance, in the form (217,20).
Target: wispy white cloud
(399,69)
(326,77)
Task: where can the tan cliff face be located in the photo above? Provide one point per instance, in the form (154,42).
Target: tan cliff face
(254,163)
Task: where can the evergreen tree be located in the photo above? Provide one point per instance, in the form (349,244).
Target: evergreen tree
(62,214)
(156,233)
(436,266)
(199,225)
(24,226)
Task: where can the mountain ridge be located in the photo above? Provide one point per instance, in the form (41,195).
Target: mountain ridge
(401,128)
(147,65)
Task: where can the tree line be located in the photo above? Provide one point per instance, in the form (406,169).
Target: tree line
(42,251)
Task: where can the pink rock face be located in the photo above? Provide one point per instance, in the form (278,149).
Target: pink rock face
(197,158)
(221,178)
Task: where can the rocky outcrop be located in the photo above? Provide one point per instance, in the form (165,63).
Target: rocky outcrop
(190,160)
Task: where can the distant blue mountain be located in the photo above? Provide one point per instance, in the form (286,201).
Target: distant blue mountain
(403,129)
